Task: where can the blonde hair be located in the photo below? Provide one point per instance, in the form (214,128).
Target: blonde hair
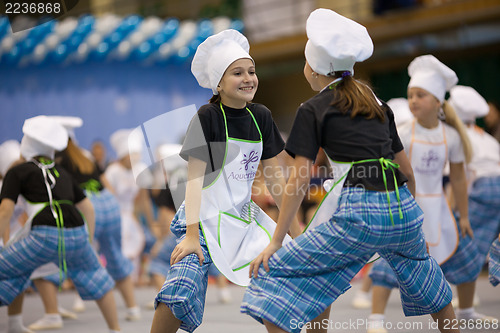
(452,119)
(78,160)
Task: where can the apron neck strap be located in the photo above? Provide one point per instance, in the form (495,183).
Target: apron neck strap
(251,114)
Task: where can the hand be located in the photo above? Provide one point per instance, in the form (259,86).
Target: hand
(185,247)
(263,258)
(465,227)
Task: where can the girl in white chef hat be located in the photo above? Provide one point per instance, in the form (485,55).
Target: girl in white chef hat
(483,171)
(56,232)
(430,143)
(367,210)
(218,223)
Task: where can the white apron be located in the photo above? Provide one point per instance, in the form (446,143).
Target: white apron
(440,229)
(330,201)
(235,228)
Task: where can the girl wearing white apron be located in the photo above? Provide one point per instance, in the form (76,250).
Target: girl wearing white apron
(369,207)
(56,230)
(218,223)
(430,143)
(123,185)
(483,171)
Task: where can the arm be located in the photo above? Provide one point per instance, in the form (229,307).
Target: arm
(295,190)
(191,244)
(458,183)
(405,167)
(87,209)
(144,206)
(6,211)
(274,178)
(106,184)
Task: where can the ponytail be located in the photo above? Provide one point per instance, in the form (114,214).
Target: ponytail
(452,119)
(356,96)
(215,99)
(78,160)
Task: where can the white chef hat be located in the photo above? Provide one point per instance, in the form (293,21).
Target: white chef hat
(42,137)
(10,152)
(335,42)
(468,103)
(401,110)
(69,123)
(428,73)
(126,141)
(169,155)
(216,54)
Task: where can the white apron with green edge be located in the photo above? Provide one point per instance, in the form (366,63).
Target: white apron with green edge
(330,201)
(334,186)
(235,228)
(440,228)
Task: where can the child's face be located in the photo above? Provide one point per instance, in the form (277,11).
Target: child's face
(423,104)
(308,74)
(238,84)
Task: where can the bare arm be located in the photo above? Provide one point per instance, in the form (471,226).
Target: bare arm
(87,209)
(275,182)
(458,183)
(295,190)
(106,184)
(405,167)
(6,211)
(191,244)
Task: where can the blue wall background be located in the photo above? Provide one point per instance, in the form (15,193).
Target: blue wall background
(107,97)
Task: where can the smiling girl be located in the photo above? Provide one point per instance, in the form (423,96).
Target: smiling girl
(218,223)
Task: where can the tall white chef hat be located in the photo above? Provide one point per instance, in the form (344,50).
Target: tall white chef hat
(428,73)
(43,136)
(69,123)
(216,54)
(401,109)
(9,153)
(125,142)
(468,103)
(335,42)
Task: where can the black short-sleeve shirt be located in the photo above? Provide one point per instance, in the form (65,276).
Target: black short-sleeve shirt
(207,126)
(318,124)
(27,180)
(82,179)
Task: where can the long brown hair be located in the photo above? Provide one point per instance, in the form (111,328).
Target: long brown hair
(78,160)
(357,96)
(452,119)
(215,99)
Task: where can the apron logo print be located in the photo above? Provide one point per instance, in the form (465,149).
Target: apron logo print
(429,158)
(252,157)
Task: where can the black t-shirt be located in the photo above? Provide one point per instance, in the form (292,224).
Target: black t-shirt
(318,124)
(163,198)
(27,180)
(207,126)
(81,178)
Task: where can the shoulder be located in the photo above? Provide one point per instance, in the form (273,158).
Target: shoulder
(451,133)
(208,110)
(259,110)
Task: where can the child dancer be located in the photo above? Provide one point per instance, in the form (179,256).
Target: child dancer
(483,171)
(366,214)
(57,232)
(223,146)
(430,143)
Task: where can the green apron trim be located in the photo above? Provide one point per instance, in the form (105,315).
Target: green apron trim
(227,139)
(385,164)
(91,187)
